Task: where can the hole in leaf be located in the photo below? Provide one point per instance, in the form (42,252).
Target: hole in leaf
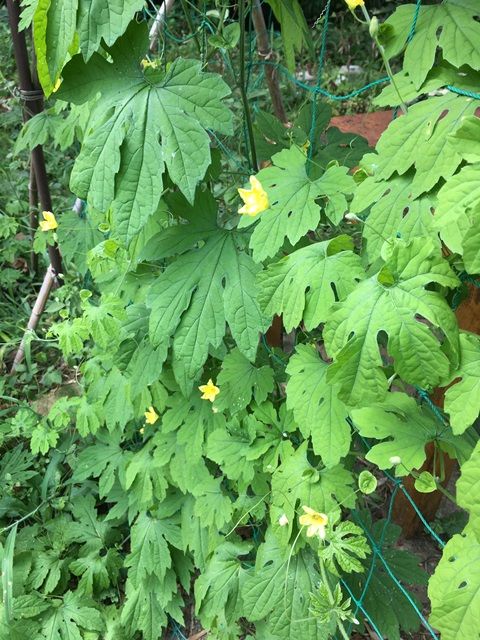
(335,292)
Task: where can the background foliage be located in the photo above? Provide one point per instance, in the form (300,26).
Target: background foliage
(112,526)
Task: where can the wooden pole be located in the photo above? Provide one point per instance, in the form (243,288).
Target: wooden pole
(265,52)
(33,204)
(33,99)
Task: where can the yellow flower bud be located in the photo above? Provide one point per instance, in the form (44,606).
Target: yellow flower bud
(353,4)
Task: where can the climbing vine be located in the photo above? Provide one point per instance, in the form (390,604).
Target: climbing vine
(196,459)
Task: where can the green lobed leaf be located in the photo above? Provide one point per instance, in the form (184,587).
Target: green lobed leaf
(60,28)
(229,449)
(305,283)
(144,608)
(239,381)
(454,588)
(66,619)
(420,139)
(145,121)
(466,139)
(76,236)
(145,479)
(462,400)
(218,588)
(292,195)
(272,444)
(392,302)
(346,547)
(105,459)
(96,570)
(456,216)
(150,553)
(316,407)
(451,25)
(296,483)
(294,27)
(393,212)
(197,538)
(196,295)
(467,490)
(275,595)
(405,429)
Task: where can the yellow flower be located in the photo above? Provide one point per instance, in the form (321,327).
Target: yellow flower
(353,4)
(315,521)
(255,199)
(151,416)
(48,223)
(153,64)
(209,391)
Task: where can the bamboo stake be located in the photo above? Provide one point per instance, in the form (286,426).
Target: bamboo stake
(159,23)
(38,308)
(265,52)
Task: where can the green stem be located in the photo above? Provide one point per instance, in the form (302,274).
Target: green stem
(446,493)
(388,69)
(331,599)
(386,63)
(241,84)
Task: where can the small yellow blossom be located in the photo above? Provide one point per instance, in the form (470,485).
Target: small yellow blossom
(315,521)
(353,4)
(305,146)
(146,64)
(151,416)
(255,199)
(48,223)
(283,520)
(209,391)
(141,431)
(57,85)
